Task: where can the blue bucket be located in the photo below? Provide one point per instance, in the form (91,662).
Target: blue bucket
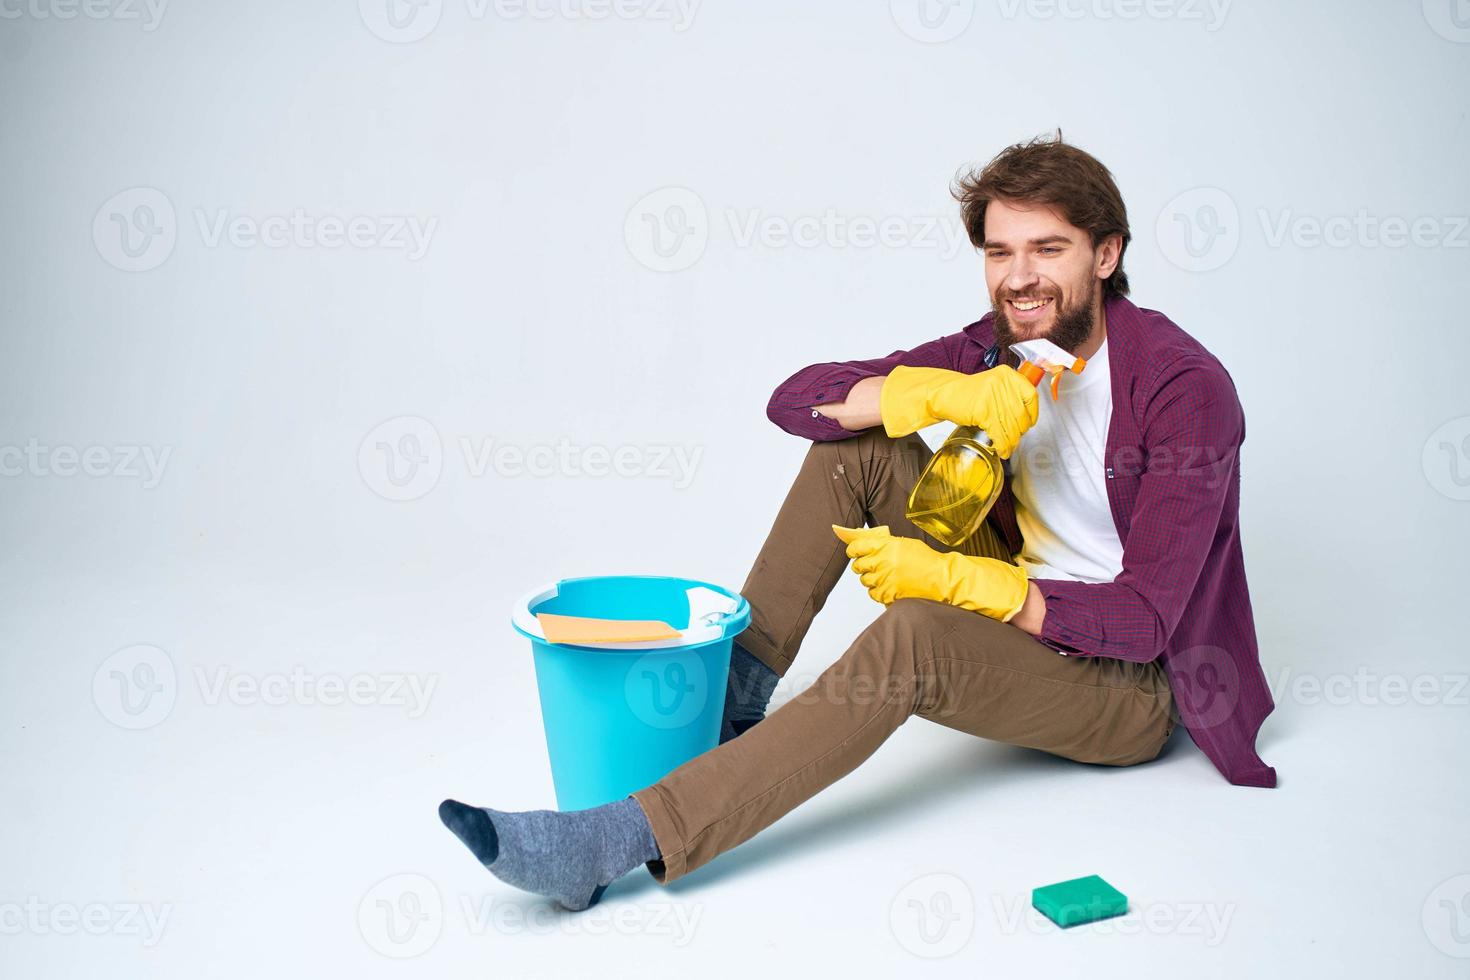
(619,717)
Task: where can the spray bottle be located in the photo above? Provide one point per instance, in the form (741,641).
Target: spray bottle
(964,476)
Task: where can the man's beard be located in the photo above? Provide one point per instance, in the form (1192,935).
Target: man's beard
(1072,327)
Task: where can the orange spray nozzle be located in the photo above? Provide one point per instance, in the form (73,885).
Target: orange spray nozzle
(1041,357)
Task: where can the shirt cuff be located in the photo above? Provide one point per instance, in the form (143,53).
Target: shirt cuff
(821,425)
(1061,629)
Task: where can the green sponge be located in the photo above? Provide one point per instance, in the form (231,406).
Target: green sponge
(1071,903)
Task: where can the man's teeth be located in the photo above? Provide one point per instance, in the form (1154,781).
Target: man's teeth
(1029,304)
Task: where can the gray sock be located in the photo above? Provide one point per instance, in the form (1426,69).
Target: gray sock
(571,857)
(747,693)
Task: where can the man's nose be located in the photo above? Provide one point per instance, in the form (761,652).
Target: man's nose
(1021,275)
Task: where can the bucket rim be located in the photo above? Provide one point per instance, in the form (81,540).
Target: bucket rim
(726,627)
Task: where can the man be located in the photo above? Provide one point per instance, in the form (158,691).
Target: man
(1106,589)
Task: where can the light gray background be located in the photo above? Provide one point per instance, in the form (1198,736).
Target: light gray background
(269,835)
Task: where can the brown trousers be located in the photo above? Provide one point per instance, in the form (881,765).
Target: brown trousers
(919,657)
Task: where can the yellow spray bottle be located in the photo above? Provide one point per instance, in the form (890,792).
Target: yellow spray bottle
(963,478)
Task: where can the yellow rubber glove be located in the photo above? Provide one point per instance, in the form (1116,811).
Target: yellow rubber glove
(999,401)
(906,568)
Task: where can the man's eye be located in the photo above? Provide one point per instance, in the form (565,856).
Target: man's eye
(1050,249)
(995,255)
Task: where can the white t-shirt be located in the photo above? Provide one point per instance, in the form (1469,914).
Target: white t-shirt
(1058,479)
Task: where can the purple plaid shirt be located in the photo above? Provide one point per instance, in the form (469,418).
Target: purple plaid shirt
(1173,478)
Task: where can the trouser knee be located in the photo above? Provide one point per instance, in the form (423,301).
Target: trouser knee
(895,654)
(864,445)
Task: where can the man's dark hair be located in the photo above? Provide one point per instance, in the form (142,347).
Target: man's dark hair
(1049,171)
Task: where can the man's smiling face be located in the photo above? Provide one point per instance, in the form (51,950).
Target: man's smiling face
(1043,274)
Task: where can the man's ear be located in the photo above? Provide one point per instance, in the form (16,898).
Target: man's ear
(1109,251)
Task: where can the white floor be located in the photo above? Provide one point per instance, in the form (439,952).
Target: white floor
(237,838)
